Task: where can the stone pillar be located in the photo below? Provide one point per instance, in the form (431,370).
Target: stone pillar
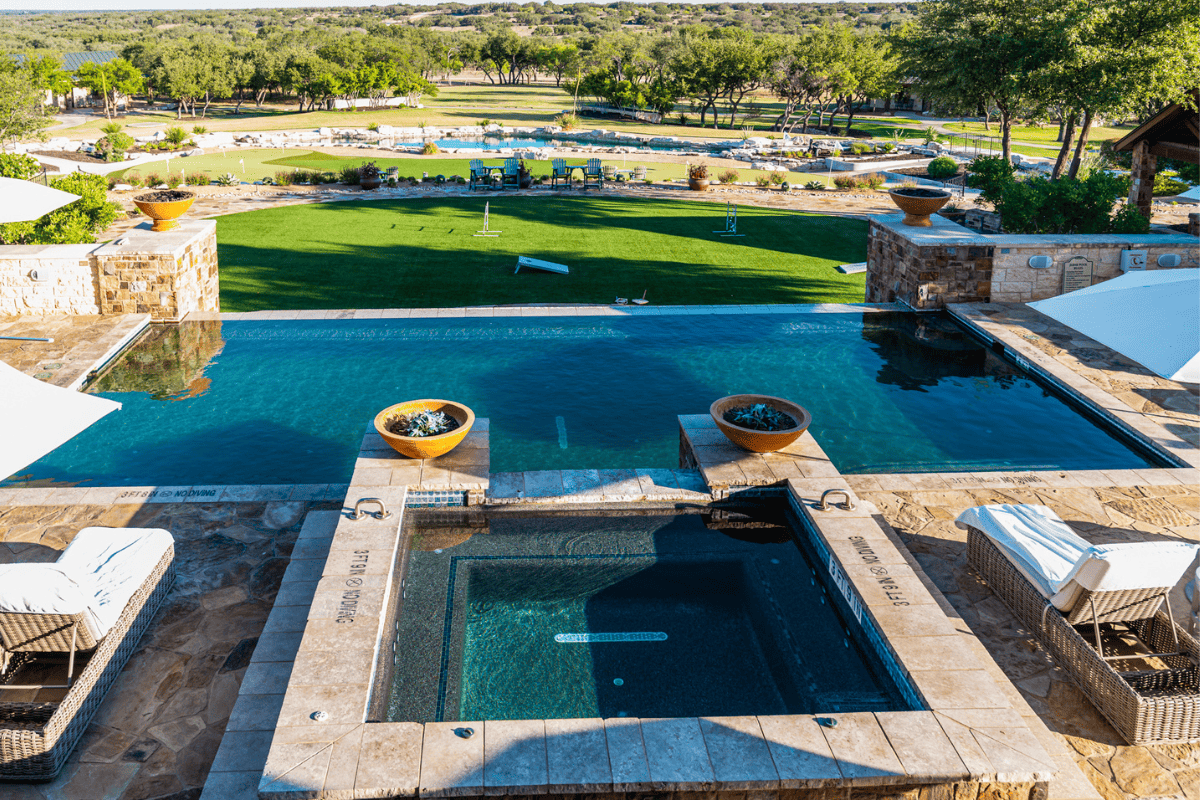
(1145,165)
(166,275)
(1193,224)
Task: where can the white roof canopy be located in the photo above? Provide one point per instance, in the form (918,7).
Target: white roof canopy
(25,201)
(1151,316)
(36,417)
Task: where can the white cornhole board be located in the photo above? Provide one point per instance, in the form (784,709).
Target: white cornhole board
(547,266)
(853,269)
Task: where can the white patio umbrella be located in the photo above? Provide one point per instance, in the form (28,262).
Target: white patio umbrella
(24,201)
(36,417)
(1151,316)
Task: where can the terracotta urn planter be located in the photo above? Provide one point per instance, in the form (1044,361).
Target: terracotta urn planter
(425,446)
(918,204)
(699,184)
(758,441)
(165,207)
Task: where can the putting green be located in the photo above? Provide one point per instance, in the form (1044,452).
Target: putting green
(422,253)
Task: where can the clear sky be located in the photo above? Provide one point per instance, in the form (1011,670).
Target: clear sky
(176,5)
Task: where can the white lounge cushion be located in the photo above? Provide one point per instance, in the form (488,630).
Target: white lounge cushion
(41,589)
(110,565)
(1060,564)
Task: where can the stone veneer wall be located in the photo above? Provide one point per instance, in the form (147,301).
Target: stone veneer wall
(70,289)
(166,275)
(927,268)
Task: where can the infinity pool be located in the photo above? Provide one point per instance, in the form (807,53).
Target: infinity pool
(288,401)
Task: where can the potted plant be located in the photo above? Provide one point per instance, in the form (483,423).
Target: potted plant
(918,203)
(165,207)
(698,177)
(368,176)
(524,177)
(758,422)
(424,428)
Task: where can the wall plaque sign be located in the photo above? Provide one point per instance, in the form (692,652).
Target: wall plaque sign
(1077,274)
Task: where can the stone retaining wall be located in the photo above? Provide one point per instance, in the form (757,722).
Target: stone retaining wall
(166,275)
(927,268)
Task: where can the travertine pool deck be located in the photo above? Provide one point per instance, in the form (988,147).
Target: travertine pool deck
(81,344)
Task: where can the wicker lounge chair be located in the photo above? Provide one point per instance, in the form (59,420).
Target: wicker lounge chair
(593,174)
(37,737)
(1054,581)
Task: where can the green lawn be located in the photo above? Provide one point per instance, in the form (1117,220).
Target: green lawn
(259,164)
(421,253)
(1036,135)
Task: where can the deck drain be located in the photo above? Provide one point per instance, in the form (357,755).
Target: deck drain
(592,638)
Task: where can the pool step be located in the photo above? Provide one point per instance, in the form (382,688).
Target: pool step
(597,486)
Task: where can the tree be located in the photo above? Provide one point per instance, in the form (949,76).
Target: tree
(110,81)
(972,53)
(23,111)
(46,73)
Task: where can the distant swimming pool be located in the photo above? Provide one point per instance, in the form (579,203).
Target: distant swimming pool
(288,401)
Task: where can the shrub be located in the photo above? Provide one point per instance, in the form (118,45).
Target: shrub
(684,119)
(845,181)
(176,136)
(228,179)
(815,186)
(374,126)
(942,167)
(78,222)
(285,177)
(860,148)
(113,146)
(567,121)
(990,174)
(199,130)
(1167,184)
(19,166)
(110,128)
(174,181)
(1067,205)
(776,178)
(483,123)
(429,149)
(888,147)
(153,179)
(197,179)
(728,176)
(698,172)
(872,181)
(132,178)
(1129,220)
(350,175)
(762,181)
(112,183)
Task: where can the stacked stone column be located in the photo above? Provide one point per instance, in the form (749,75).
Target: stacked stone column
(1145,165)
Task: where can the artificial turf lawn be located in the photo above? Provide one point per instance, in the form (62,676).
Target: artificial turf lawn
(422,254)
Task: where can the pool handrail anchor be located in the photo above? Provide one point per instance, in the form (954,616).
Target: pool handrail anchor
(358,514)
(825,505)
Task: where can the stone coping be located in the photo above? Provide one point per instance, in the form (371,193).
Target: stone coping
(944,232)
(143,241)
(466,468)
(1114,410)
(125,495)
(544,311)
(587,486)
(967,732)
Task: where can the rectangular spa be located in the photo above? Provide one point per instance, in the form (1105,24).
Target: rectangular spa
(648,614)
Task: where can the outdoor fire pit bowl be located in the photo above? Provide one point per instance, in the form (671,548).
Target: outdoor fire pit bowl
(426,446)
(919,204)
(165,207)
(757,441)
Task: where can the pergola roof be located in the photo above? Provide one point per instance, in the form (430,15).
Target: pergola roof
(1172,133)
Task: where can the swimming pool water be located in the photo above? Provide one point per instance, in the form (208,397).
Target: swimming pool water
(288,401)
(563,616)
